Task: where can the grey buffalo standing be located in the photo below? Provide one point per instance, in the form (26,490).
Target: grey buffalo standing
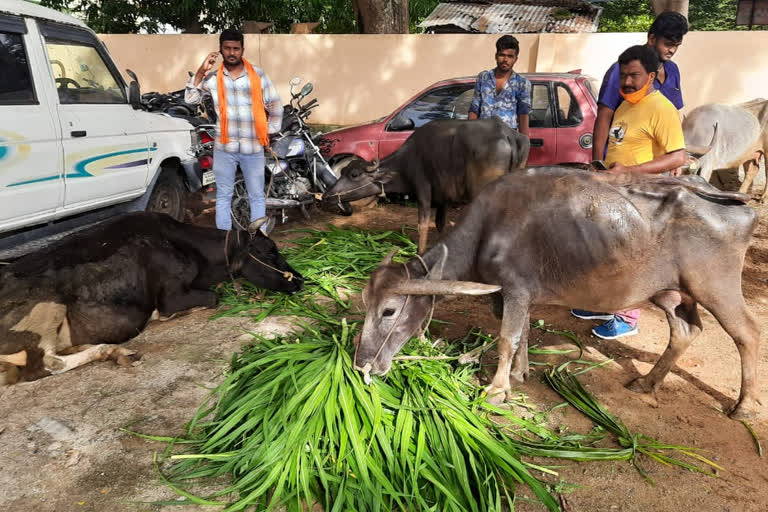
(727,137)
(72,303)
(579,239)
(443,162)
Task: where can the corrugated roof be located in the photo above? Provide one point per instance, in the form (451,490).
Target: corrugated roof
(515,18)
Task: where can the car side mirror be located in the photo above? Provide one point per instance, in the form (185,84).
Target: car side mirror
(134,91)
(401,123)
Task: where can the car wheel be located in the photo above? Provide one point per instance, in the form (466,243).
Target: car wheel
(168,195)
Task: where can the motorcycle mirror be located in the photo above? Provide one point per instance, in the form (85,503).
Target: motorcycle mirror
(306,89)
(295,81)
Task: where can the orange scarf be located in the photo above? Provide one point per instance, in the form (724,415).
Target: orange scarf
(257,104)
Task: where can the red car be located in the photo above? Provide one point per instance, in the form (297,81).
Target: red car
(563,112)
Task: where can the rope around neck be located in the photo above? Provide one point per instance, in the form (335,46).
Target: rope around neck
(287,275)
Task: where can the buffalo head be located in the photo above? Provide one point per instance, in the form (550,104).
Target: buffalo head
(397,302)
(359,179)
(255,257)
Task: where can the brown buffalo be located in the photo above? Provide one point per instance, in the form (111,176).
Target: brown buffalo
(443,162)
(579,239)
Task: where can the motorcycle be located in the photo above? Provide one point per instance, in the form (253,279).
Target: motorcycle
(295,173)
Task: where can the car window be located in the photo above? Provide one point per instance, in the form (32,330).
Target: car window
(541,106)
(15,80)
(568,110)
(438,103)
(463,102)
(81,74)
(592,86)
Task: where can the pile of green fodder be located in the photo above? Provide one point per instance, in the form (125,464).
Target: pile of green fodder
(294,424)
(334,263)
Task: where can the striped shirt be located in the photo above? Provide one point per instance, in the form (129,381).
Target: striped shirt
(242,132)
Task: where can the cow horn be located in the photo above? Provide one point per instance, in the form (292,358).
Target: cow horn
(435,287)
(699,151)
(254,226)
(373,166)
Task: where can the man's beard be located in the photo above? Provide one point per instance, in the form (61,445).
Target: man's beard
(229,64)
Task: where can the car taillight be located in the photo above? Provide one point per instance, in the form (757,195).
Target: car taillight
(205,138)
(205,161)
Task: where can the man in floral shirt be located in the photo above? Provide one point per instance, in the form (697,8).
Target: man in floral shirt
(502,92)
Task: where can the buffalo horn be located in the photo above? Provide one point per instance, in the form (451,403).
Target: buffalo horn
(434,287)
(255,225)
(373,166)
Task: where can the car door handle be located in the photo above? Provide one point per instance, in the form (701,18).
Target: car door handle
(78,133)
(537,143)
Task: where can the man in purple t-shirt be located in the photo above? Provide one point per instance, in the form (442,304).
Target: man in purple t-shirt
(666,36)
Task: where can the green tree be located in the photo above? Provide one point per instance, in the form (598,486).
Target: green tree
(637,15)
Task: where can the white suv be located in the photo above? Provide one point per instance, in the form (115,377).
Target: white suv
(73,137)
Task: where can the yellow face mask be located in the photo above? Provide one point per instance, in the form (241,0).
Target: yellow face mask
(634,97)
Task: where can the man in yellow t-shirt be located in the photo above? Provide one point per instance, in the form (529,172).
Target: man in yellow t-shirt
(646,137)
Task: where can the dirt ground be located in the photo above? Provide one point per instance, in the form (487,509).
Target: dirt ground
(61,447)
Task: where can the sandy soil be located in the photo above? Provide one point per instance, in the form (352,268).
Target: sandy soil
(61,447)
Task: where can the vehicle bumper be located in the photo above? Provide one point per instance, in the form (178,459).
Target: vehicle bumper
(194,173)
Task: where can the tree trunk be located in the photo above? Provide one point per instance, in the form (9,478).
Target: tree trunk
(680,6)
(381,16)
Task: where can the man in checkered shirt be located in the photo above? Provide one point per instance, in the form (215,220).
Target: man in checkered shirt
(242,144)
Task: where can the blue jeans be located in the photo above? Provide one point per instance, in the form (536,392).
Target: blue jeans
(225,168)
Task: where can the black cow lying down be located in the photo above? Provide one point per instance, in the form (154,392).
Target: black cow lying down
(579,239)
(71,303)
(444,162)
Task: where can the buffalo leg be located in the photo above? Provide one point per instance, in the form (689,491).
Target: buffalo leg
(730,310)
(765,172)
(514,327)
(425,212)
(750,171)
(684,327)
(176,299)
(440,215)
(59,364)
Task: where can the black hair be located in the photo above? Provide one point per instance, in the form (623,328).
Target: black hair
(507,43)
(670,25)
(647,56)
(230,34)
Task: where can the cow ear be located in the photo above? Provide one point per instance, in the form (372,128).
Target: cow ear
(388,258)
(436,272)
(254,226)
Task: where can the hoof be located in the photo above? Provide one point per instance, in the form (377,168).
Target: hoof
(640,385)
(495,396)
(54,364)
(744,410)
(520,377)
